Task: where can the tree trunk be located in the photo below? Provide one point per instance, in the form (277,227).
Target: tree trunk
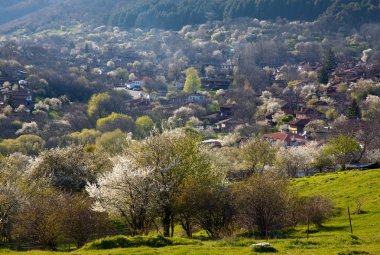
(172,225)
(166,222)
(186,225)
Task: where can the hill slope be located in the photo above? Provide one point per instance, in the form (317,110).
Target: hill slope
(41,14)
(344,188)
(174,14)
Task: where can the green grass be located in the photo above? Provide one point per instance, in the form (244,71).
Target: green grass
(344,188)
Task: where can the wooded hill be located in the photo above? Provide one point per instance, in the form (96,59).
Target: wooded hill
(171,14)
(174,14)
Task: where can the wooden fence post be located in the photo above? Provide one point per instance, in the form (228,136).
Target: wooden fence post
(349,218)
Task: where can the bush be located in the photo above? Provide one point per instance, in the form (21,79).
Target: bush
(128,242)
(264,249)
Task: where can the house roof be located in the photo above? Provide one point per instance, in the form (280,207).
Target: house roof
(212,141)
(228,106)
(288,106)
(209,117)
(285,137)
(223,121)
(362,166)
(299,122)
(308,111)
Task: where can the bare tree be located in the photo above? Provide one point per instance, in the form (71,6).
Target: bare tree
(262,201)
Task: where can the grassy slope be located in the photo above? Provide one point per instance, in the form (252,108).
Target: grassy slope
(344,188)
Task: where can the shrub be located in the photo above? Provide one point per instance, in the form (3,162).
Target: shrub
(128,242)
(264,249)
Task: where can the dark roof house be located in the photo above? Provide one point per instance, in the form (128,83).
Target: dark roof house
(297,126)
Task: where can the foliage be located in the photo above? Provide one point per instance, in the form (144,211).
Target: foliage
(68,169)
(124,192)
(26,144)
(343,149)
(181,13)
(353,111)
(257,154)
(333,237)
(115,121)
(262,202)
(114,143)
(148,179)
(128,242)
(144,125)
(12,170)
(97,105)
(328,66)
(297,160)
(50,216)
(215,211)
(85,137)
(40,220)
(315,209)
(193,82)
(264,249)
(103,104)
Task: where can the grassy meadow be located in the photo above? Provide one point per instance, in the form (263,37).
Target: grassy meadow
(358,189)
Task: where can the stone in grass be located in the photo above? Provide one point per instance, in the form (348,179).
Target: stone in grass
(263,247)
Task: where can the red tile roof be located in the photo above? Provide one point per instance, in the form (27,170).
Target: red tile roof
(285,137)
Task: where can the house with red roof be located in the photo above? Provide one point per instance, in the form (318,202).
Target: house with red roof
(289,139)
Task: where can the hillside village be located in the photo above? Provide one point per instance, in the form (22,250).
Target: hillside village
(189,126)
(287,90)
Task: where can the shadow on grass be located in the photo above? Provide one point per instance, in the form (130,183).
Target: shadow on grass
(332,228)
(264,249)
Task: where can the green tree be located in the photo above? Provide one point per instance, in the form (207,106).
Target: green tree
(343,149)
(257,153)
(323,76)
(85,137)
(103,104)
(115,121)
(26,144)
(194,207)
(328,66)
(144,125)
(114,143)
(97,105)
(193,82)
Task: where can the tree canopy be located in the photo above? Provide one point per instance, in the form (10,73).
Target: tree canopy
(193,82)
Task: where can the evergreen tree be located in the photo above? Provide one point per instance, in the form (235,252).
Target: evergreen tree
(353,111)
(87,48)
(328,66)
(329,61)
(323,76)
